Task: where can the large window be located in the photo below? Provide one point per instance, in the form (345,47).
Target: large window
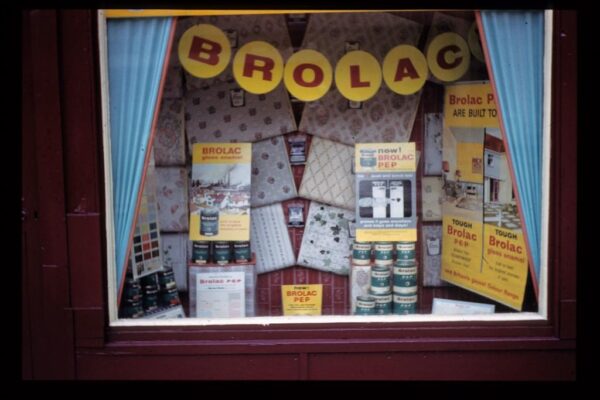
(348,166)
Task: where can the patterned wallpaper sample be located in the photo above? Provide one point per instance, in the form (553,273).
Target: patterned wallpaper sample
(386,117)
(431,197)
(433,144)
(173,88)
(360,283)
(174,253)
(431,242)
(269,239)
(169,143)
(272,179)
(240,29)
(328,174)
(210,115)
(172,187)
(326,244)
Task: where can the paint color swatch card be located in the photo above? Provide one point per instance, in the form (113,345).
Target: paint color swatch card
(146,249)
(220,191)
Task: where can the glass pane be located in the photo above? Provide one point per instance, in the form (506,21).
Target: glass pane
(333,164)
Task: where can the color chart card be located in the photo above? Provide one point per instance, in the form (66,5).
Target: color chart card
(146,251)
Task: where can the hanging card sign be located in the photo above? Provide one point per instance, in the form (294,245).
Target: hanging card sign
(204,51)
(258,67)
(386,192)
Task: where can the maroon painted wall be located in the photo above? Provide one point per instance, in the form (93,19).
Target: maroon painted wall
(64,313)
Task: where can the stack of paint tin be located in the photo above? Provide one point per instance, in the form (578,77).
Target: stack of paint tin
(131,304)
(405,279)
(393,284)
(220,252)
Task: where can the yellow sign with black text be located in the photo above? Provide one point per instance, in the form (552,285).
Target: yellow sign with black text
(302,299)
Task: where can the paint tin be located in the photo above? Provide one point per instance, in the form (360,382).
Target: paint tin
(405,276)
(209,221)
(365,305)
(405,251)
(166,279)
(384,253)
(405,304)
(405,263)
(361,253)
(222,253)
(383,303)
(368,159)
(241,251)
(170,298)
(200,252)
(380,280)
(150,299)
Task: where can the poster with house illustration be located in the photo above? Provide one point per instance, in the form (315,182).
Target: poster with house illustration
(483,248)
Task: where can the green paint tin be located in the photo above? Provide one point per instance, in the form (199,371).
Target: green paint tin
(384,253)
(380,280)
(361,253)
(383,304)
(405,276)
(405,251)
(241,251)
(405,304)
(200,252)
(365,305)
(222,253)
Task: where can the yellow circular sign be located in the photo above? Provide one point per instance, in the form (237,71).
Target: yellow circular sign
(405,69)
(474,43)
(448,57)
(258,67)
(204,51)
(308,75)
(358,75)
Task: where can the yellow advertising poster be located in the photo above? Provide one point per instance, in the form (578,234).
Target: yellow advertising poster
(302,299)
(483,249)
(386,192)
(220,191)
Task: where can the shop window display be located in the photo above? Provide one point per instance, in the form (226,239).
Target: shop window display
(393,199)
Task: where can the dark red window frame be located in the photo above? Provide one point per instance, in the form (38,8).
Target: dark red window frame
(64,304)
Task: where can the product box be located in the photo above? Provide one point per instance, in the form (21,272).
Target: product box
(227,291)
(220,192)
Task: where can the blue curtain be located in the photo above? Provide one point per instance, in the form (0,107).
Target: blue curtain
(136,54)
(515,41)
